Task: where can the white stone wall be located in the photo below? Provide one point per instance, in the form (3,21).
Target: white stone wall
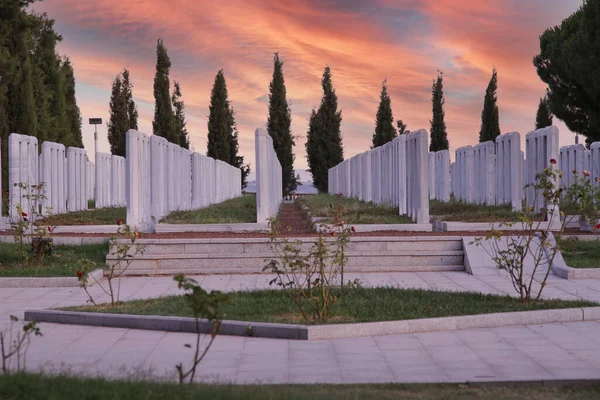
(541,146)
(76,177)
(103,174)
(117,170)
(138,177)
(464,166)
(158,176)
(594,160)
(53,175)
(268,177)
(439,175)
(203,180)
(509,170)
(91,180)
(572,158)
(396,173)
(22,168)
(484,173)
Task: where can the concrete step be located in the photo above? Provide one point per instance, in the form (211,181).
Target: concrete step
(250,255)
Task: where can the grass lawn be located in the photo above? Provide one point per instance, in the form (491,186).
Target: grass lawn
(100,216)
(63,262)
(465,212)
(357,305)
(581,253)
(35,386)
(355,211)
(238,210)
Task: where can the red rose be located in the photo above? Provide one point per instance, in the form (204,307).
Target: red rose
(339,194)
(598,226)
(552,161)
(79,274)
(574,171)
(332,233)
(50,229)
(352,229)
(23,214)
(120,222)
(586,173)
(598,179)
(25,219)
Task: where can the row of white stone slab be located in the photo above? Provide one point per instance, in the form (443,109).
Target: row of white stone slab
(395,173)
(576,159)
(110,175)
(268,177)
(64,174)
(163,177)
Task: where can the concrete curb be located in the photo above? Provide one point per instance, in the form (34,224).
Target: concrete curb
(239,227)
(19,282)
(64,240)
(314,332)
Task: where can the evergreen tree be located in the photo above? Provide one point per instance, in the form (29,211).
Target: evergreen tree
(384,121)
(439,137)
(236,159)
(127,90)
(402,128)
(117,121)
(163,124)
(490,126)
(324,142)
(24,106)
(181,132)
(278,126)
(220,128)
(543,117)
(73,114)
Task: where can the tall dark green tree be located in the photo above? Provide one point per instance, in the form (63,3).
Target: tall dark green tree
(402,128)
(384,121)
(73,114)
(439,137)
(123,113)
(278,126)
(180,123)
(222,128)
(118,123)
(543,117)
(127,91)
(568,63)
(490,125)
(324,139)
(164,119)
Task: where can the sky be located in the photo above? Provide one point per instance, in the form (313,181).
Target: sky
(363,42)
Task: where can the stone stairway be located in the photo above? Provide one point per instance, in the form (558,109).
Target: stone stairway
(249,255)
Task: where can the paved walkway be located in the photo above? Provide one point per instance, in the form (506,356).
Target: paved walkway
(536,352)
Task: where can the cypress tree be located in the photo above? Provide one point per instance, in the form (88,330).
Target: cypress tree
(236,159)
(163,124)
(490,126)
(220,118)
(543,117)
(181,132)
(402,128)
(439,137)
(73,114)
(278,126)
(324,142)
(24,107)
(384,121)
(127,90)
(118,122)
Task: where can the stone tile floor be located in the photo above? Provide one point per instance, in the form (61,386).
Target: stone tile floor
(535,352)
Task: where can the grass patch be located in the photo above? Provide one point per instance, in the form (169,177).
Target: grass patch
(36,386)
(63,261)
(454,210)
(581,253)
(100,216)
(238,210)
(357,305)
(356,211)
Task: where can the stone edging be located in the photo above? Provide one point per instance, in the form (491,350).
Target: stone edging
(64,281)
(314,332)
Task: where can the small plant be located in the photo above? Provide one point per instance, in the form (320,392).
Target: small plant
(583,197)
(15,346)
(309,276)
(126,252)
(29,220)
(535,243)
(203,305)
